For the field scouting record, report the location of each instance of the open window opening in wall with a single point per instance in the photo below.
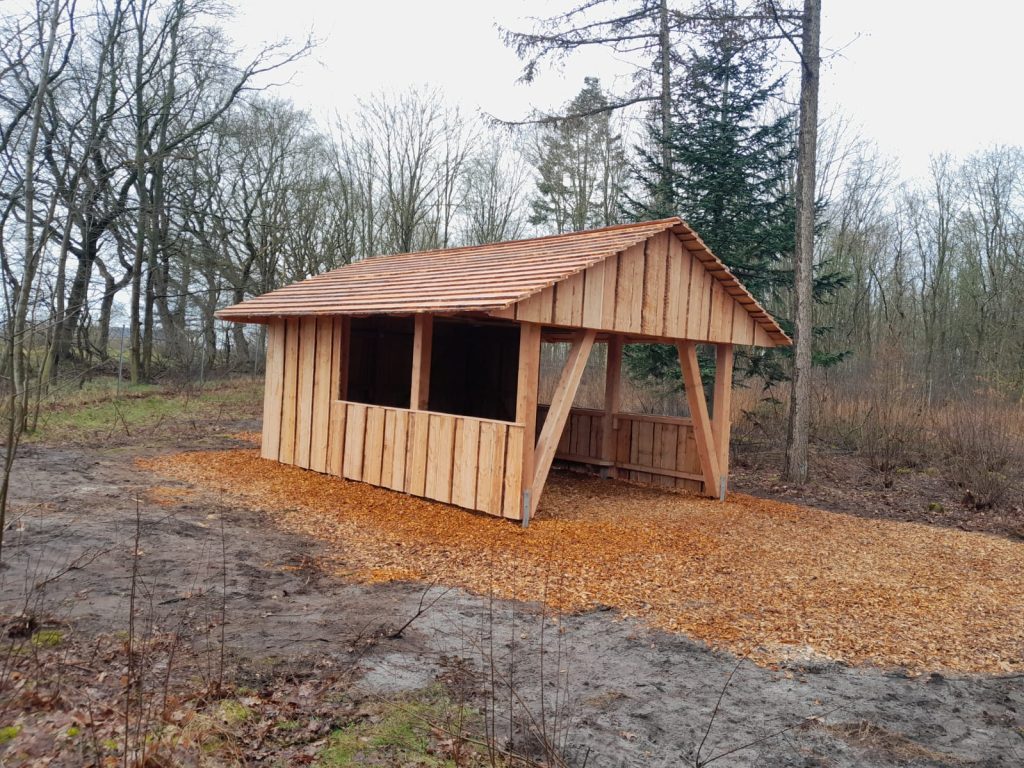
(473, 368)
(658, 393)
(380, 367)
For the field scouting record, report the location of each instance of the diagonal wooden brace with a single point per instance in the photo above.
(558, 412)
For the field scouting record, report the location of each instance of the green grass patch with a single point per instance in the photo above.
(233, 712)
(98, 408)
(8, 733)
(395, 732)
(47, 638)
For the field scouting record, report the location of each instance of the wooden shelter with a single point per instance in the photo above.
(419, 372)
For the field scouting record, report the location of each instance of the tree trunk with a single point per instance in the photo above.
(803, 258)
(665, 42)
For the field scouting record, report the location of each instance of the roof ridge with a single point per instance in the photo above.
(675, 221)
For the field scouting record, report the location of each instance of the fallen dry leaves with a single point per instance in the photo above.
(166, 496)
(770, 580)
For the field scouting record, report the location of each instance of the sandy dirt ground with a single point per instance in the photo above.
(612, 691)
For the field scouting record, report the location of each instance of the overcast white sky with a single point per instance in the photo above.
(918, 77)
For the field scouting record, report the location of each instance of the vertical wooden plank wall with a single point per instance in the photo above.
(468, 462)
(302, 379)
(657, 288)
(655, 450)
(456, 459)
(273, 391)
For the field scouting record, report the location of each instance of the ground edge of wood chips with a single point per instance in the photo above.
(771, 581)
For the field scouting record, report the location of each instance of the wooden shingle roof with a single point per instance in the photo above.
(480, 278)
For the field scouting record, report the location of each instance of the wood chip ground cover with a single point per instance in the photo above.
(765, 579)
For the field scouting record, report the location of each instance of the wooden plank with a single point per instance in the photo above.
(442, 444)
(703, 436)
(694, 306)
(536, 308)
(593, 295)
(417, 451)
(717, 327)
(528, 310)
(654, 418)
(687, 270)
(290, 390)
(467, 460)
(663, 472)
(722, 423)
(304, 391)
(558, 412)
(578, 284)
(355, 440)
(645, 447)
(322, 376)
(742, 329)
(336, 438)
(666, 441)
(623, 441)
(674, 297)
(400, 449)
(728, 316)
(387, 462)
(612, 399)
(578, 433)
(565, 439)
(342, 333)
(678, 280)
(704, 327)
(611, 277)
(761, 338)
(691, 460)
(273, 391)
(512, 492)
(583, 459)
(596, 437)
(568, 301)
(652, 317)
(629, 291)
(634, 441)
(374, 450)
(422, 344)
(527, 381)
(490, 467)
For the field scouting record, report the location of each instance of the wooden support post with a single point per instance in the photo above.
(707, 450)
(558, 412)
(722, 410)
(423, 335)
(342, 347)
(526, 398)
(612, 402)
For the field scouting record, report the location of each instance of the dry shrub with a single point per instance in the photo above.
(983, 448)
(878, 413)
(759, 419)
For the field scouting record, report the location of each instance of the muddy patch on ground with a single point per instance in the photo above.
(605, 691)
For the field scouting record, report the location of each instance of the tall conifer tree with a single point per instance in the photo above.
(733, 152)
